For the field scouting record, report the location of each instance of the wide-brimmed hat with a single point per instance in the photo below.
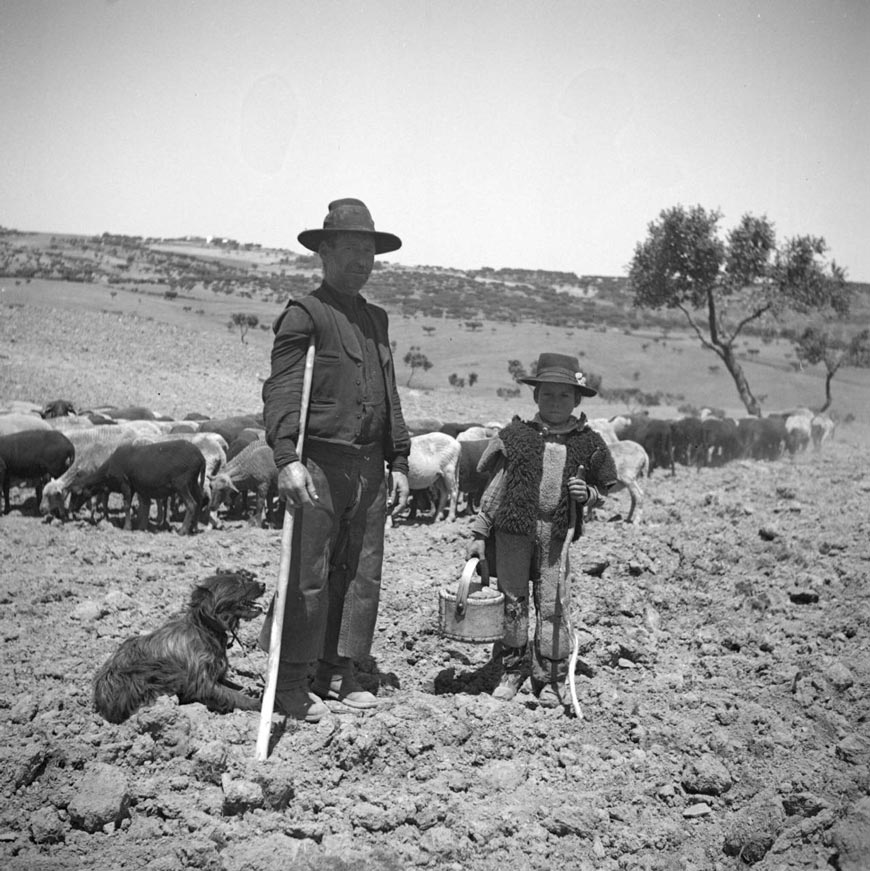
(559, 369)
(349, 215)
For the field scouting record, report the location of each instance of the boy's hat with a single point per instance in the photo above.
(353, 216)
(560, 369)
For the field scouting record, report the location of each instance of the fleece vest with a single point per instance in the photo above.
(524, 458)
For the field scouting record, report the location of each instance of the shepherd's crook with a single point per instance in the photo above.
(283, 578)
(564, 569)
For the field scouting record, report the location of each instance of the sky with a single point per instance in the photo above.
(500, 133)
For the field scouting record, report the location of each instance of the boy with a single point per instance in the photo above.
(534, 466)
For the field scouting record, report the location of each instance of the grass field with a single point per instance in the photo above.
(676, 365)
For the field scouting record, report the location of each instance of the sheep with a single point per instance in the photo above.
(798, 432)
(472, 483)
(476, 433)
(214, 450)
(33, 456)
(821, 429)
(253, 469)
(21, 422)
(93, 446)
(231, 427)
(605, 429)
(151, 471)
(632, 462)
(434, 460)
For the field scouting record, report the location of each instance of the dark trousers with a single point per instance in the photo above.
(337, 557)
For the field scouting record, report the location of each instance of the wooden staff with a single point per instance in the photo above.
(280, 601)
(564, 569)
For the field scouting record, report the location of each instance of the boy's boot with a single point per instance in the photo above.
(515, 648)
(514, 661)
(548, 681)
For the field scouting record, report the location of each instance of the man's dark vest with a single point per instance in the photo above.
(335, 409)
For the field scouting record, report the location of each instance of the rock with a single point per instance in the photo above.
(502, 775)
(119, 601)
(839, 676)
(210, 761)
(46, 827)
(701, 809)
(851, 838)
(240, 796)
(88, 612)
(767, 533)
(804, 804)
(754, 829)
(706, 776)
(102, 798)
(24, 710)
(369, 816)
(30, 765)
(266, 852)
(854, 749)
(440, 841)
(803, 596)
(276, 780)
(583, 820)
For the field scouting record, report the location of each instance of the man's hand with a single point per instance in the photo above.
(400, 492)
(578, 490)
(295, 485)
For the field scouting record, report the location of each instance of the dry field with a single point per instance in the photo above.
(724, 671)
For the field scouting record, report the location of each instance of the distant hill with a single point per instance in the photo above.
(177, 303)
(247, 270)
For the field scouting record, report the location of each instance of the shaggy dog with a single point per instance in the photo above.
(186, 657)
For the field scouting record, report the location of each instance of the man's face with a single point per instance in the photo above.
(556, 402)
(348, 261)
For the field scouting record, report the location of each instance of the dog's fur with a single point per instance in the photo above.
(186, 657)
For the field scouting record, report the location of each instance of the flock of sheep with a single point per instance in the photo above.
(206, 464)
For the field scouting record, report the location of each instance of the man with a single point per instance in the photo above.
(355, 424)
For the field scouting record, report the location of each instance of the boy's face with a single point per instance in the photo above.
(556, 402)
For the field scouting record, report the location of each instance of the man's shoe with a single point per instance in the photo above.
(508, 686)
(297, 703)
(344, 688)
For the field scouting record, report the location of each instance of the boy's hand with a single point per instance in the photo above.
(476, 548)
(578, 490)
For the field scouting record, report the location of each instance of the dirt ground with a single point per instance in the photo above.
(724, 679)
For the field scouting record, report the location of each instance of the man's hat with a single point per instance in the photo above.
(349, 215)
(560, 369)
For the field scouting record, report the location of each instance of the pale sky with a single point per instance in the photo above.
(482, 132)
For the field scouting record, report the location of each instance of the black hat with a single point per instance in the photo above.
(560, 369)
(349, 215)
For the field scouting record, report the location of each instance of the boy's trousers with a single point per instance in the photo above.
(523, 560)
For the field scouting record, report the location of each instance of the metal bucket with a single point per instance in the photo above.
(475, 612)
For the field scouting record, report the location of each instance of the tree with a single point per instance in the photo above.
(455, 381)
(722, 287)
(472, 379)
(244, 322)
(416, 359)
(516, 369)
(816, 345)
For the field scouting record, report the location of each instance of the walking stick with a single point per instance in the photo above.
(268, 705)
(564, 569)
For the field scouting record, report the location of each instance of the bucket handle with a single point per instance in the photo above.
(465, 583)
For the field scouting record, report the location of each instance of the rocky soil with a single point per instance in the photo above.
(723, 679)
